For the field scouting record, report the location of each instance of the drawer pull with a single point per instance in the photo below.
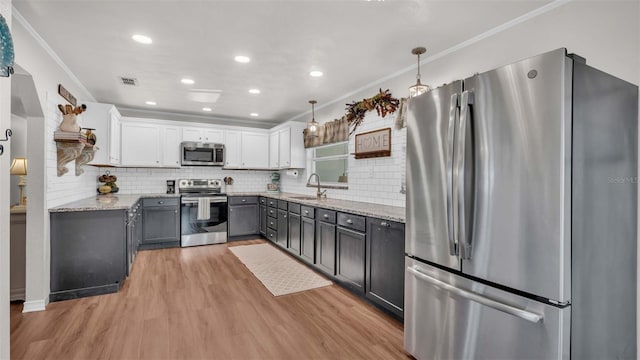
(326, 216)
(244, 200)
(160, 202)
(284, 216)
(306, 212)
(349, 221)
(385, 224)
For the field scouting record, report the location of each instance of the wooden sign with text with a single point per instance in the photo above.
(67, 95)
(375, 143)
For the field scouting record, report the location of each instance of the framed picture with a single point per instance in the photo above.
(376, 143)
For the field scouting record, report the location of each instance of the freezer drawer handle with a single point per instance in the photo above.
(522, 314)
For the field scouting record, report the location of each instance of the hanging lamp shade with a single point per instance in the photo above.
(418, 88)
(312, 126)
(6, 49)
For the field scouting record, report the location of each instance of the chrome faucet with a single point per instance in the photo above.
(319, 193)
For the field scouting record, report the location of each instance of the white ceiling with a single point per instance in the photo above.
(353, 42)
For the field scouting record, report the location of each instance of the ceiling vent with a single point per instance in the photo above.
(129, 81)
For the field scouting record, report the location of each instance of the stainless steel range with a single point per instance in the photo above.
(203, 211)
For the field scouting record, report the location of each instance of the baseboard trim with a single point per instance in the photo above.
(17, 294)
(33, 305)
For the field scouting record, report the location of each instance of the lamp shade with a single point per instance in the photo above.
(19, 166)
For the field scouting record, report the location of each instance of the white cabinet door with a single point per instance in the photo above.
(140, 144)
(233, 149)
(114, 137)
(192, 134)
(213, 136)
(285, 148)
(274, 162)
(255, 150)
(297, 153)
(170, 146)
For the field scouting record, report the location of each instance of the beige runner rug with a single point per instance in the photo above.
(278, 272)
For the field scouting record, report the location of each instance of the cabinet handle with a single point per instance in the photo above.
(244, 200)
(385, 224)
(160, 202)
(326, 216)
(175, 211)
(349, 221)
(284, 216)
(306, 212)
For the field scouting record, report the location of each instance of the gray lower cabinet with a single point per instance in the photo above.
(307, 234)
(350, 251)
(326, 241)
(283, 228)
(88, 253)
(160, 223)
(263, 220)
(294, 233)
(243, 217)
(385, 264)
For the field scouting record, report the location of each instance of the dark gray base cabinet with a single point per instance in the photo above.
(294, 233)
(385, 264)
(160, 223)
(263, 220)
(88, 253)
(307, 239)
(244, 214)
(326, 241)
(350, 258)
(283, 228)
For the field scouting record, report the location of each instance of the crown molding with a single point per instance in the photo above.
(197, 118)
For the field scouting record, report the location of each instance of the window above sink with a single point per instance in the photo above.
(331, 163)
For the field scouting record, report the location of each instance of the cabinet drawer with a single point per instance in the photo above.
(351, 221)
(161, 201)
(242, 200)
(282, 204)
(326, 215)
(307, 211)
(294, 208)
(272, 235)
(272, 212)
(263, 201)
(272, 202)
(272, 223)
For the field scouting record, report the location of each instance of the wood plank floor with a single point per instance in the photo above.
(203, 303)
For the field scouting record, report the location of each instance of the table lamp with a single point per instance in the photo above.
(19, 167)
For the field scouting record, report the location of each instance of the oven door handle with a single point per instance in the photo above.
(195, 201)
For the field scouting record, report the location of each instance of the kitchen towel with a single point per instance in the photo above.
(204, 212)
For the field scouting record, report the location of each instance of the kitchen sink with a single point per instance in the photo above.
(303, 197)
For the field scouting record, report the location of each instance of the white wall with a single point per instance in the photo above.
(18, 149)
(5, 163)
(45, 189)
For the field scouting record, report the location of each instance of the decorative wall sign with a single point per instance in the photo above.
(376, 143)
(67, 95)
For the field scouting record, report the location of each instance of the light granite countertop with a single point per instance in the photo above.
(126, 201)
(106, 202)
(393, 213)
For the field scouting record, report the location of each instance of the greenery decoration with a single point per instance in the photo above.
(382, 102)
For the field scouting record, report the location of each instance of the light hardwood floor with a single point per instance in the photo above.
(203, 303)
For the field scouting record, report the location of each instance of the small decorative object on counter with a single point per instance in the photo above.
(274, 186)
(228, 180)
(110, 182)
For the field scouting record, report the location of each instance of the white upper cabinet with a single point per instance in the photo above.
(274, 160)
(140, 144)
(255, 150)
(105, 120)
(170, 144)
(289, 148)
(203, 135)
(233, 149)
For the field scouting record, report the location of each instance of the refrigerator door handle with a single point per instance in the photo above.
(451, 205)
(463, 238)
(508, 309)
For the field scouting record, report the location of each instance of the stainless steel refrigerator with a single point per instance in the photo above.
(522, 214)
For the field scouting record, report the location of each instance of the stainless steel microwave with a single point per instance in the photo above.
(201, 154)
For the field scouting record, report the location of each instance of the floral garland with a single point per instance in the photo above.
(382, 102)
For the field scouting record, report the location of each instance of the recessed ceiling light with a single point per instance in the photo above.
(150, 102)
(254, 91)
(254, 114)
(187, 81)
(142, 39)
(242, 59)
(206, 109)
(316, 73)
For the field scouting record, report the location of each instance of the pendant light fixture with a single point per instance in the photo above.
(312, 126)
(418, 88)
